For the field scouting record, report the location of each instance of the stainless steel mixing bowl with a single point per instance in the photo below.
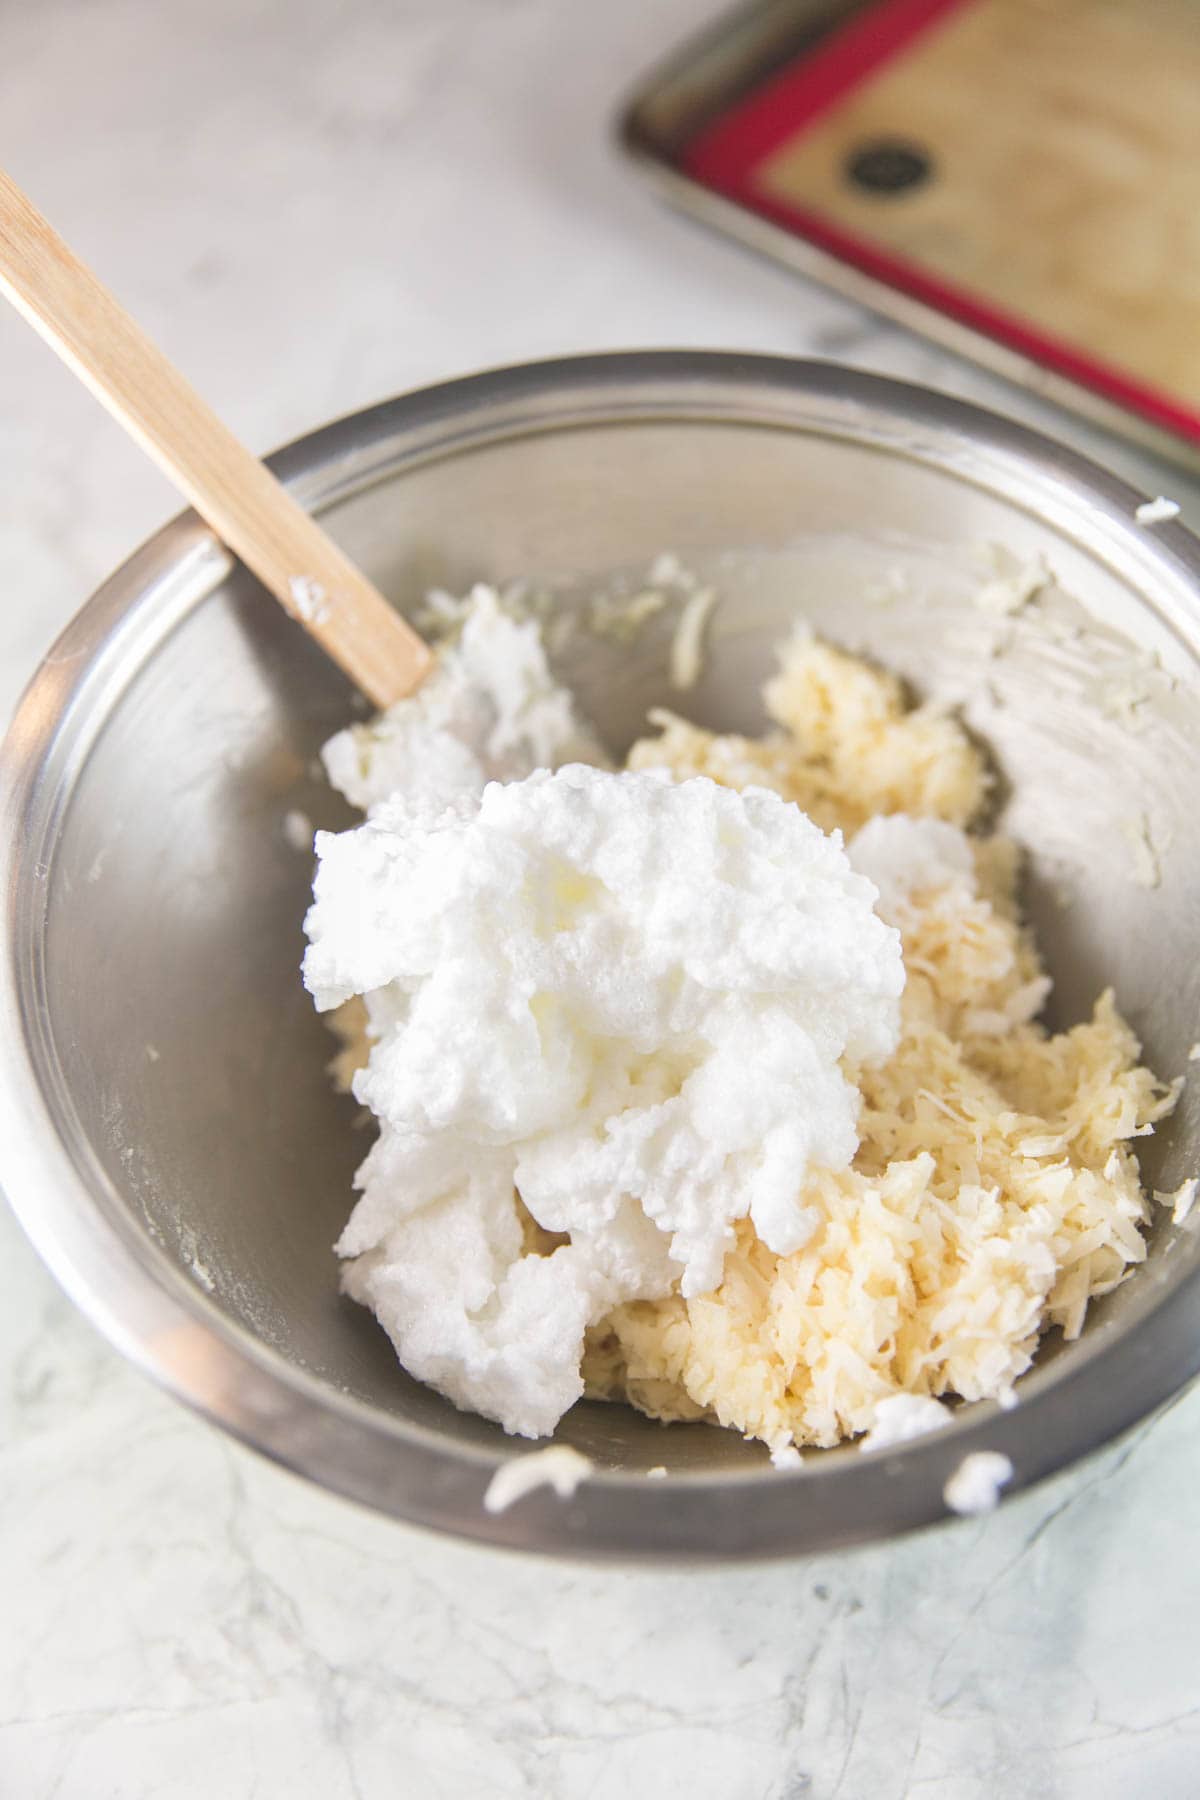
(170, 1139)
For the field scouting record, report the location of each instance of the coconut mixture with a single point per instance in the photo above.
(715, 1085)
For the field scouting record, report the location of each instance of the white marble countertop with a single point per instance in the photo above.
(313, 207)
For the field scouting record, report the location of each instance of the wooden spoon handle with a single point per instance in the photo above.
(230, 489)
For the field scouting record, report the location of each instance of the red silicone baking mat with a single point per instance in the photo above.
(1027, 168)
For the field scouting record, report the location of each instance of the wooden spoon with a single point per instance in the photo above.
(231, 489)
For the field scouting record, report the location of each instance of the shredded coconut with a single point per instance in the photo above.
(786, 1456)
(621, 616)
(1124, 700)
(1014, 585)
(975, 1485)
(1156, 511)
(894, 586)
(668, 571)
(203, 1274)
(298, 830)
(442, 612)
(1145, 868)
(1181, 1201)
(846, 747)
(687, 646)
(558, 1467)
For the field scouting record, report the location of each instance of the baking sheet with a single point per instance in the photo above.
(1052, 229)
